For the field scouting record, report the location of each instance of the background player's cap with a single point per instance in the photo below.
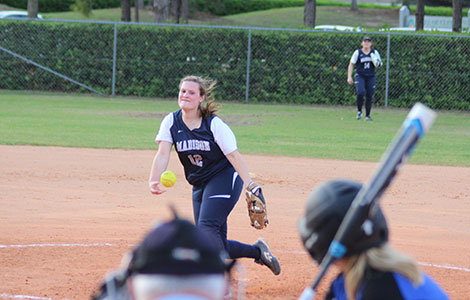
(177, 247)
(366, 38)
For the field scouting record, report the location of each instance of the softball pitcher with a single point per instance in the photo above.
(366, 60)
(207, 149)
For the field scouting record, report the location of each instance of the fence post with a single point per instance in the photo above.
(114, 59)
(387, 71)
(248, 66)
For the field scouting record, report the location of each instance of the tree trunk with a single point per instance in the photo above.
(161, 9)
(175, 10)
(184, 11)
(137, 7)
(33, 7)
(457, 15)
(354, 5)
(309, 12)
(126, 10)
(419, 15)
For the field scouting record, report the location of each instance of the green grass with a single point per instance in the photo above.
(109, 14)
(309, 131)
(371, 16)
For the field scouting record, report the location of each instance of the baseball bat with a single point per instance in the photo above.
(416, 124)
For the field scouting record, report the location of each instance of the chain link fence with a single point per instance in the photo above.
(250, 64)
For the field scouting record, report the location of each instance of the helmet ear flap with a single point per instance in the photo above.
(318, 240)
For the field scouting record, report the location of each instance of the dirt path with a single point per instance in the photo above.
(68, 215)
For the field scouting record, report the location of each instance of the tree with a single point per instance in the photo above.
(136, 18)
(354, 5)
(175, 10)
(126, 10)
(457, 15)
(139, 4)
(161, 10)
(180, 10)
(309, 12)
(33, 8)
(419, 15)
(83, 7)
(184, 11)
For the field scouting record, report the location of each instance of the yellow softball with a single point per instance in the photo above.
(168, 178)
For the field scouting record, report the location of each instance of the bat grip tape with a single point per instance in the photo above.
(416, 124)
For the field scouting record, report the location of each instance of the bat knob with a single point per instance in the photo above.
(307, 294)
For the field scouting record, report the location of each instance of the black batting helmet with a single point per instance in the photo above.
(178, 248)
(326, 208)
(172, 248)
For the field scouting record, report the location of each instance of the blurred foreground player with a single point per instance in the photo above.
(370, 269)
(175, 261)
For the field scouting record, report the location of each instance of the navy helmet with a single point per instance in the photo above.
(177, 247)
(326, 208)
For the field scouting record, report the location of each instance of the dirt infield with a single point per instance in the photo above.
(68, 215)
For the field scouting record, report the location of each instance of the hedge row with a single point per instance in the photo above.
(61, 5)
(285, 67)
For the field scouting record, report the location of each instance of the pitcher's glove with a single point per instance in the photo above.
(256, 206)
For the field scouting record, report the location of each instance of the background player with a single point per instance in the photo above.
(366, 60)
(371, 269)
(207, 149)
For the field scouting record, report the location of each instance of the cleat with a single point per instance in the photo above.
(359, 115)
(368, 118)
(267, 258)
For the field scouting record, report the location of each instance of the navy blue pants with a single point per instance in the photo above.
(365, 86)
(212, 203)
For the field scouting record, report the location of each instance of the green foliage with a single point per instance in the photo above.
(240, 6)
(44, 5)
(437, 11)
(286, 67)
(83, 7)
(465, 3)
(63, 5)
(232, 7)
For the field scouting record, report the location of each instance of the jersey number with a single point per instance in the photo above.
(195, 159)
(367, 65)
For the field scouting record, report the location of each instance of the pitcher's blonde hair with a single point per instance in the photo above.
(206, 87)
(384, 258)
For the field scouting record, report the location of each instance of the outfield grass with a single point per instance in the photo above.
(309, 131)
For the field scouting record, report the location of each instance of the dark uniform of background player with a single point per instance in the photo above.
(365, 76)
(207, 149)
(371, 269)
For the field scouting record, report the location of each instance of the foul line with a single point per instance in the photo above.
(59, 245)
(448, 267)
(23, 297)
(295, 252)
(444, 267)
